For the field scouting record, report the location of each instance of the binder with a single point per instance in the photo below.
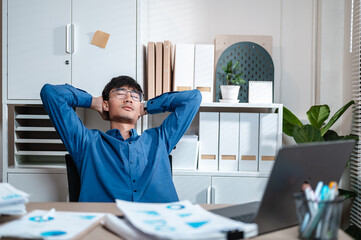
(150, 71)
(204, 71)
(228, 141)
(185, 154)
(248, 141)
(208, 141)
(167, 66)
(267, 141)
(183, 67)
(158, 68)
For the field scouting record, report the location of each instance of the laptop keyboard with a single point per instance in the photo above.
(247, 218)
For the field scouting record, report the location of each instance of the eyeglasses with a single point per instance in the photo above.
(122, 93)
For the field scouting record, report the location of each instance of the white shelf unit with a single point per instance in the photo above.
(223, 187)
(36, 143)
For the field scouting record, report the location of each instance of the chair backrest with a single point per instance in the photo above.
(73, 179)
(170, 163)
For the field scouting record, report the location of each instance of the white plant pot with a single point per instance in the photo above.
(229, 92)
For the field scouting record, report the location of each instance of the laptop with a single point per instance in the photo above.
(294, 165)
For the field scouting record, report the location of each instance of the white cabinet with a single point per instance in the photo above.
(50, 42)
(238, 190)
(93, 67)
(220, 188)
(42, 187)
(193, 188)
(36, 46)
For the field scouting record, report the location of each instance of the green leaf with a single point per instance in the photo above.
(289, 122)
(307, 133)
(318, 114)
(351, 136)
(335, 117)
(331, 135)
(346, 193)
(229, 66)
(234, 67)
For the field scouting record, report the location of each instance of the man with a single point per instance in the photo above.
(120, 164)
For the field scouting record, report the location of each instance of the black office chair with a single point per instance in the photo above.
(73, 179)
(170, 163)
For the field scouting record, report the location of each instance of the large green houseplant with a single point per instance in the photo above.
(319, 131)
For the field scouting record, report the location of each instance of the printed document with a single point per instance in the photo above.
(177, 220)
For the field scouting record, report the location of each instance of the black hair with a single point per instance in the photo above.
(121, 81)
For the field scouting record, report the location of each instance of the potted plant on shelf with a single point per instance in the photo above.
(233, 76)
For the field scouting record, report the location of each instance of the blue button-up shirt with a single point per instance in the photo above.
(136, 169)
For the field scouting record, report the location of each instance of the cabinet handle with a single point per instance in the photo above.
(70, 38)
(209, 194)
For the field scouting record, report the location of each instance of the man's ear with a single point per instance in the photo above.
(105, 106)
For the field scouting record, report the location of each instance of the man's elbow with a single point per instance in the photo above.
(46, 91)
(197, 96)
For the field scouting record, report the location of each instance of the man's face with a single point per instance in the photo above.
(123, 105)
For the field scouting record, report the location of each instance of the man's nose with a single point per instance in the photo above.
(128, 98)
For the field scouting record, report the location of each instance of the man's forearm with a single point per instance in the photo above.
(97, 104)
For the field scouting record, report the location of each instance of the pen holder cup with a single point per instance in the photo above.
(318, 219)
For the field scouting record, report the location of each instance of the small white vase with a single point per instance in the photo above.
(230, 92)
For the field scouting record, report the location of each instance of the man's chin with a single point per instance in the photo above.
(125, 118)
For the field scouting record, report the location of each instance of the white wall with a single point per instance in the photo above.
(289, 22)
(335, 59)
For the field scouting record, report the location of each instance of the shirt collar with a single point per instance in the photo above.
(116, 133)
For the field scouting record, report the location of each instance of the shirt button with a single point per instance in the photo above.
(131, 162)
(133, 180)
(130, 142)
(135, 190)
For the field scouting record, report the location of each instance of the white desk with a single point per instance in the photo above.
(99, 232)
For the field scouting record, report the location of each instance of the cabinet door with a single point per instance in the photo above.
(41, 187)
(92, 66)
(237, 190)
(36, 46)
(193, 188)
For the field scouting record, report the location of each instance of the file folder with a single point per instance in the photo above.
(248, 141)
(158, 68)
(228, 141)
(267, 141)
(150, 71)
(167, 66)
(204, 70)
(184, 67)
(208, 141)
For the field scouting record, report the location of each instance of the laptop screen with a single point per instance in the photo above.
(294, 166)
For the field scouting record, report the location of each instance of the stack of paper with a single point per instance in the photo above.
(12, 200)
(178, 220)
(40, 224)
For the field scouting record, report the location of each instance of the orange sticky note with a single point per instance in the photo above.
(100, 39)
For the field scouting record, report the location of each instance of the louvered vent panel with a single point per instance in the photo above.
(36, 143)
(355, 168)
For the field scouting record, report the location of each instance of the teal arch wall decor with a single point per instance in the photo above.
(256, 64)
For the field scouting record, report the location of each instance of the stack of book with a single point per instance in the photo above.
(179, 68)
(159, 68)
(12, 200)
